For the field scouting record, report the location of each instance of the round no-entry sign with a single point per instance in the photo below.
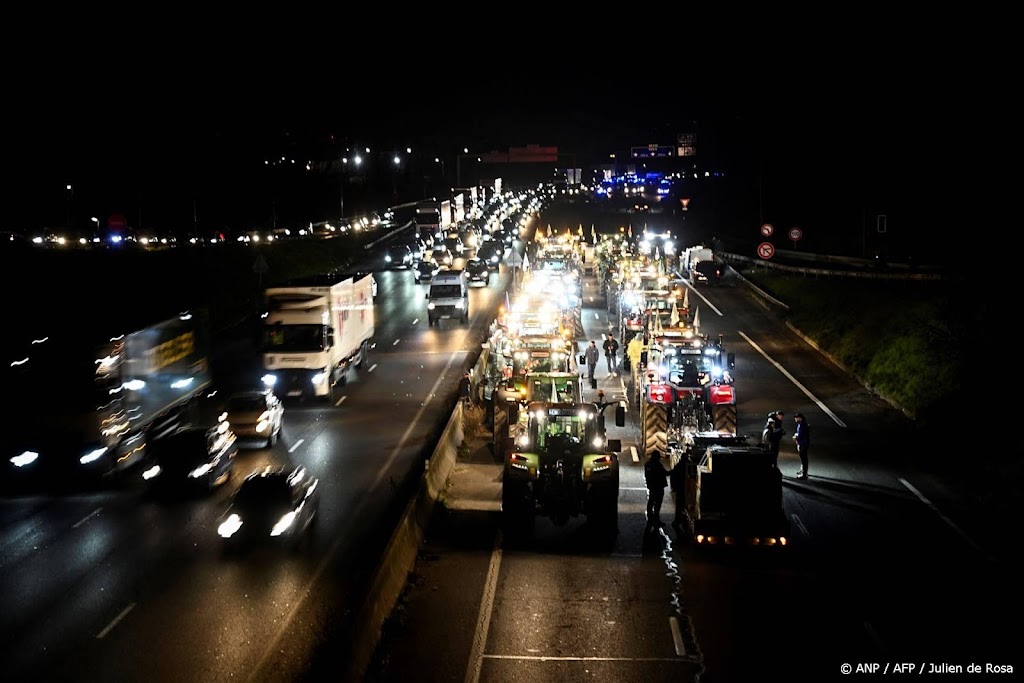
(765, 250)
(767, 229)
(795, 234)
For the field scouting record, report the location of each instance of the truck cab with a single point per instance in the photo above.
(448, 297)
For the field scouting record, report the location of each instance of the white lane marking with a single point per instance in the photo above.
(944, 518)
(636, 456)
(596, 316)
(372, 368)
(794, 380)
(633, 488)
(394, 343)
(697, 292)
(415, 320)
(483, 620)
(298, 443)
(677, 637)
(874, 638)
(86, 518)
(109, 627)
(341, 400)
(800, 526)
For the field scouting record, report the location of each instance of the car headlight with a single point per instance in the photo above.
(200, 471)
(25, 458)
(283, 524)
(229, 526)
(430, 306)
(152, 472)
(387, 259)
(92, 456)
(459, 304)
(319, 378)
(269, 380)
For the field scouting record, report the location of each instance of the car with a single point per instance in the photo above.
(398, 256)
(255, 416)
(477, 270)
(272, 506)
(489, 254)
(455, 244)
(421, 249)
(441, 256)
(191, 459)
(423, 271)
(706, 272)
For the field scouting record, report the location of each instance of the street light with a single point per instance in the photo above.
(97, 222)
(458, 165)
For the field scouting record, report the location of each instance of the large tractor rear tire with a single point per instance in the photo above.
(518, 510)
(724, 417)
(603, 509)
(654, 421)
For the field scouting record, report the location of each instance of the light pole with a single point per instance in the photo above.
(458, 165)
(70, 196)
(97, 222)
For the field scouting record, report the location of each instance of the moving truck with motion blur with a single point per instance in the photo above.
(315, 330)
(81, 413)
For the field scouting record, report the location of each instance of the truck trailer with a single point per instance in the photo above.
(732, 491)
(315, 330)
(81, 414)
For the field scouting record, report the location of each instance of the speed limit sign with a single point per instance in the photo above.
(765, 250)
(795, 234)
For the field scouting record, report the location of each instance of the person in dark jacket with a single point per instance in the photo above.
(611, 353)
(591, 355)
(656, 479)
(802, 439)
(773, 433)
(464, 388)
(677, 482)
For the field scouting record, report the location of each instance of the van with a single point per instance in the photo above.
(705, 272)
(448, 297)
(695, 254)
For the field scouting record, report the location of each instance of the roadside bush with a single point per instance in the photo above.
(897, 337)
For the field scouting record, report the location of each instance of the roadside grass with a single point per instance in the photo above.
(902, 339)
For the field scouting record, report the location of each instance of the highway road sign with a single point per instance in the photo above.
(767, 229)
(795, 234)
(765, 250)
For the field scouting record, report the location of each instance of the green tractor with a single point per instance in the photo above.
(560, 464)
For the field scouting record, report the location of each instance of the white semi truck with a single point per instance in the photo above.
(315, 330)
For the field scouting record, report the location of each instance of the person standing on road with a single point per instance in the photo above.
(591, 354)
(611, 353)
(677, 481)
(802, 439)
(656, 479)
(772, 435)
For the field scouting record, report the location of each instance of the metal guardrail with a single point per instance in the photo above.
(832, 272)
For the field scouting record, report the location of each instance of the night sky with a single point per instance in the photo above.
(158, 131)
